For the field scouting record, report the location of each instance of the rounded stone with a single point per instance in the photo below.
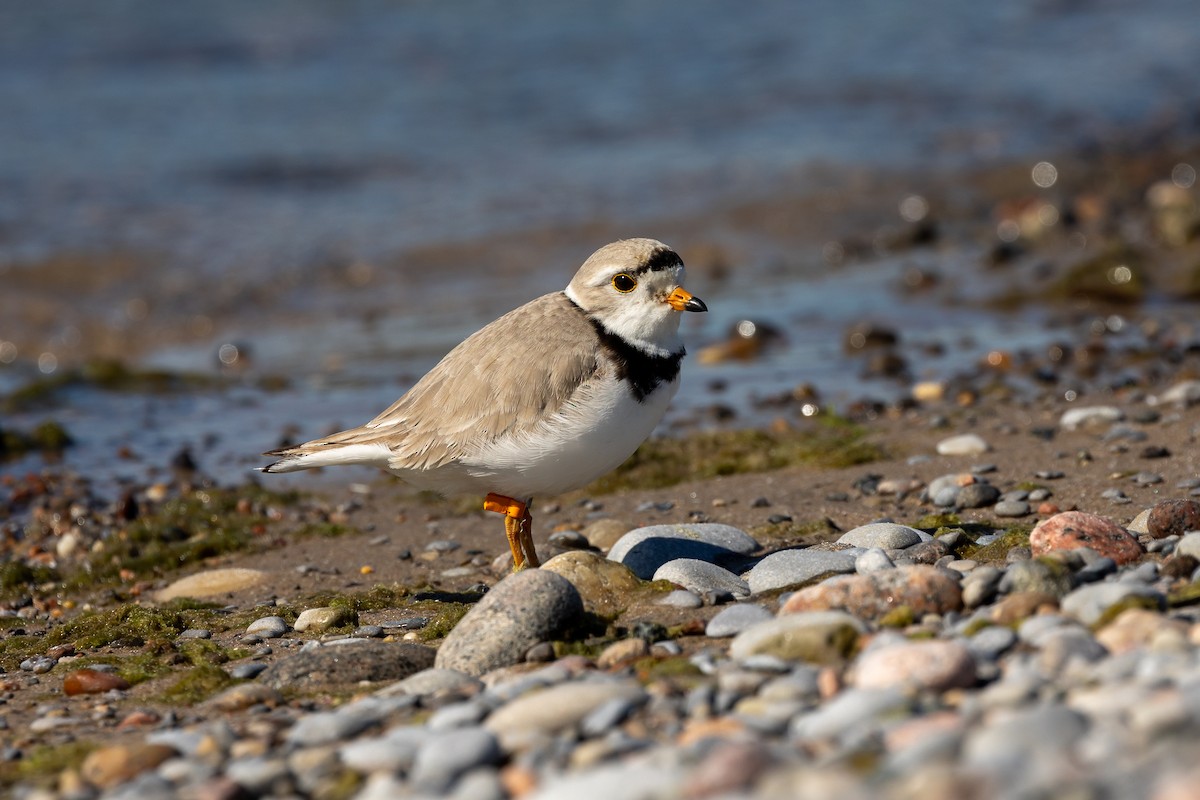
(821, 637)
(443, 758)
(605, 587)
(1090, 415)
(644, 550)
(1071, 530)
(90, 681)
(964, 444)
(977, 495)
(349, 663)
(556, 708)
(522, 610)
(317, 620)
(244, 695)
(111, 766)
(604, 533)
(701, 577)
(884, 535)
(787, 568)
(212, 583)
(268, 627)
(434, 681)
(921, 588)
(732, 620)
(933, 665)
(1090, 603)
(872, 560)
(1173, 518)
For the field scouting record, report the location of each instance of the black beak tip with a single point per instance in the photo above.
(695, 304)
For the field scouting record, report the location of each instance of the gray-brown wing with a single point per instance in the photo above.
(502, 379)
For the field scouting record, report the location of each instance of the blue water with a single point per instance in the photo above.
(233, 136)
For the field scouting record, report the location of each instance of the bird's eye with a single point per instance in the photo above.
(624, 283)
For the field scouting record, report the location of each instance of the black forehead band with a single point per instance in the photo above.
(662, 258)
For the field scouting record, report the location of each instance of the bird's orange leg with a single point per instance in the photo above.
(518, 526)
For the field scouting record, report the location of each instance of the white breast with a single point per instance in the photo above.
(584, 440)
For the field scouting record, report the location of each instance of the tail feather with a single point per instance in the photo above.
(327, 454)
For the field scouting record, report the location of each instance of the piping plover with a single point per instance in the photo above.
(544, 400)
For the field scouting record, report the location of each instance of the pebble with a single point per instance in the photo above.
(1173, 518)
(681, 598)
(441, 760)
(644, 550)
(606, 587)
(268, 627)
(212, 583)
(554, 709)
(348, 661)
(884, 535)
(702, 577)
(977, 495)
(90, 681)
(966, 444)
(1012, 508)
(1089, 415)
(1074, 529)
(787, 568)
(1089, 603)
(922, 589)
(872, 560)
(930, 665)
(732, 620)
(110, 766)
(522, 610)
(822, 637)
(318, 620)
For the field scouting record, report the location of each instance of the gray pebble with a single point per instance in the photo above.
(991, 642)
(257, 775)
(850, 710)
(978, 495)
(268, 627)
(1088, 603)
(794, 567)
(369, 631)
(607, 716)
(245, 672)
(442, 546)
(392, 752)
(1012, 508)
(325, 727)
(458, 715)
(1035, 576)
(196, 633)
(644, 550)
(681, 598)
(872, 560)
(884, 535)
(519, 612)
(701, 577)
(736, 618)
(981, 585)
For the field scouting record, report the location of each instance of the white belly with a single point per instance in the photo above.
(567, 451)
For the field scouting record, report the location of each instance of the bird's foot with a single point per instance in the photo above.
(518, 526)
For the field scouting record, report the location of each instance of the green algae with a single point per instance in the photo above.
(997, 550)
(181, 532)
(803, 532)
(197, 684)
(826, 441)
(898, 617)
(41, 765)
(1123, 605)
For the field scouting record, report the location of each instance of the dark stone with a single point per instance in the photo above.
(347, 664)
(1173, 518)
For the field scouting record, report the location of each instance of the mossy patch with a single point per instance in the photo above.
(47, 437)
(997, 550)
(789, 532)
(1123, 605)
(1114, 276)
(898, 617)
(180, 532)
(931, 522)
(197, 684)
(825, 441)
(674, 668)
(975, 626)
(42, 765)
(1185, 596)
(17, 577)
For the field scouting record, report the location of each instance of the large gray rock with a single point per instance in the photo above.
(521, 611)
(701, 577)
(350, 663)
(644, 550)
(885, 535)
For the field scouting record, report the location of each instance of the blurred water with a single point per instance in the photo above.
(244, 139)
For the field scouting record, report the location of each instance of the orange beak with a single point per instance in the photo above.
(683, 300)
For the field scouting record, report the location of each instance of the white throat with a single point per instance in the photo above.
(653, 328)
